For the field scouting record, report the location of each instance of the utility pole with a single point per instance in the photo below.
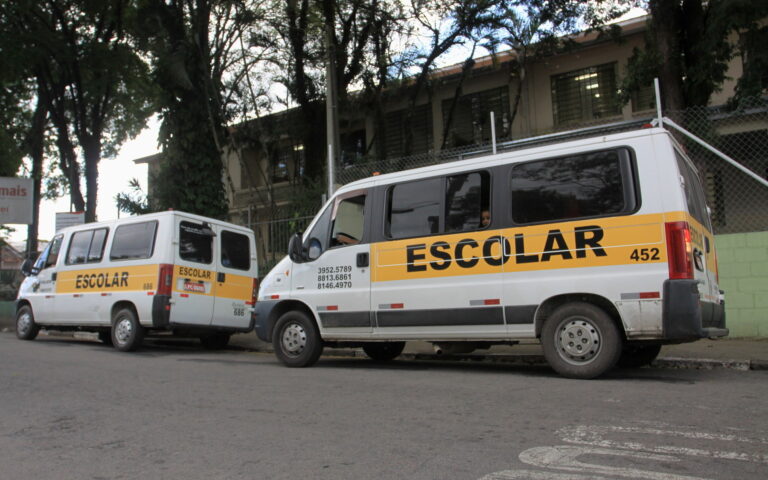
(331, 97)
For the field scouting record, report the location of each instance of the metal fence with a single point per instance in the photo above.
(738, 202)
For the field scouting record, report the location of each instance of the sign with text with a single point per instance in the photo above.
(69, 219)
(16, 200)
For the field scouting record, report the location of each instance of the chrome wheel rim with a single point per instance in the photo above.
(578, 340)
(123, 331)
(294, 339)
(24, 323)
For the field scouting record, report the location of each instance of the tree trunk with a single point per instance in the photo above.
(92, 154)
(35, 143)
(665, 15)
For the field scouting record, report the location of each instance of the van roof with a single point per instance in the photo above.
(511, 155)
(152, 216)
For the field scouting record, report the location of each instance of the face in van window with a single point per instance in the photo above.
(195, 243)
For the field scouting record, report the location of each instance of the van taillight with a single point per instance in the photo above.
(254, 292)
(679, 250)
(165, 279)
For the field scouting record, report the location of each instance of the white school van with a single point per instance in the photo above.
(164, 272)
(601, 248)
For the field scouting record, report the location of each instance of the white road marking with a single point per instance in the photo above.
(564, 457)
(534, 475)
(594, 435)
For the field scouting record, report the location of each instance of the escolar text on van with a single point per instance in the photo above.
(169, 272)
(601, 248)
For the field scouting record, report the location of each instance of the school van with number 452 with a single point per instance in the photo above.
(169, 272)
(600, 248)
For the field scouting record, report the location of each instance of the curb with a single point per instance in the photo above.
(538, 360)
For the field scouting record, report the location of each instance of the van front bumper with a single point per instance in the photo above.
(263, 319)
(685, 317)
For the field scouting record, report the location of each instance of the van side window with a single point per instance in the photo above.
(53, 256)
(467, 196)
(348, 221)
(86, 246)
(588, 185)
(414, 208)
(194, 244)
(134, 241)
(694, 192)
(235, 250)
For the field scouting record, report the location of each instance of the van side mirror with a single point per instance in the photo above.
(27, 268)
(296, 249)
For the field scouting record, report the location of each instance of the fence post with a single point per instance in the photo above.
(493, 132)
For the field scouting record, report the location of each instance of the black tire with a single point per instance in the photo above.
(296, 340)
(383, 351)
(217, 341)
(580, 340)
(636, 356)
(127, 332)
(26, 328)
(105, 337)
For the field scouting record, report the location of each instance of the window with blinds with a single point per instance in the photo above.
(586, 94)
(470, 122)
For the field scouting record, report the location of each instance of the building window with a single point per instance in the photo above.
(468, 120)
(644, 99)
(585, 95)
(419, 129)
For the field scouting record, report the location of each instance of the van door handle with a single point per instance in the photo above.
(221, 277)
(362, 259)
(698, 259)
(53, 277)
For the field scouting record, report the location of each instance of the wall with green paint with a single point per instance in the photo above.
(743, 263)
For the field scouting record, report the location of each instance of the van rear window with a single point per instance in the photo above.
(134, 241)
(195, 244)
(235, 250)
(579, 186)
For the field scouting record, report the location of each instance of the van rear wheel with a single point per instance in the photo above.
(383, 351)
(296, 340)
(580, 340)
(26, 328)
(127, 332)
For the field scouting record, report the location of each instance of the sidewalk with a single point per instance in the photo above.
(737, 353)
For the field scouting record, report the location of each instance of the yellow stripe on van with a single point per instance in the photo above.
(237, 287)
(113, 279)
(586, 243)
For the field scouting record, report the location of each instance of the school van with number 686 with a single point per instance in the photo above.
(600, 248)
(169, 272)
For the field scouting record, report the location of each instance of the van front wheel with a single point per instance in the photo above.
(127, 332)
(580, 340)
(296, 340)
(26, 328)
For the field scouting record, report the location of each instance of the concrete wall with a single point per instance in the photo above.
(743, 262)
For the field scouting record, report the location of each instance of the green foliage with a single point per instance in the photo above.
(135, 201)
(695, 39)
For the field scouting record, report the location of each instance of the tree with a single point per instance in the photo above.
(94, 85)
(689, 44)
(194, 47)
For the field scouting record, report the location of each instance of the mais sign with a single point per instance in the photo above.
(15, 200)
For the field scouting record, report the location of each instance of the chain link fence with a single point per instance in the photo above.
(738, 202)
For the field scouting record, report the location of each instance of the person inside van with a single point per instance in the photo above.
(485, 218)
(344, 239)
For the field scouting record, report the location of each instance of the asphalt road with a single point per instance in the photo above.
(74, 409)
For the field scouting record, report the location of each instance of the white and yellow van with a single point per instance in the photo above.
(170, 271)
(601, 248)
